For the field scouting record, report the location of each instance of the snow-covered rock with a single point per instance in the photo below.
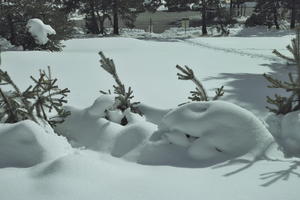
(215, 130)
(286, 131)
(25, 144)
(39, 31)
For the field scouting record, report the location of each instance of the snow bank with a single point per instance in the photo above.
(39, 31)
(199, 134)
(25, 144)
(215, 131)
(286, 131)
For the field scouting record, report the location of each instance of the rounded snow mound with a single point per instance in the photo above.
(285, 130)
(215, 131)
(25, 144)
(98, 128)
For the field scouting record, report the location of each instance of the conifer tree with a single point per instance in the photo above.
(35, 103)
(123, 96)
(294, 7)
(152, 5)
(14, 15)
(267, 12)
(199, 94)
(122, 9)
(285, 105)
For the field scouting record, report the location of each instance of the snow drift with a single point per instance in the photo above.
(202, 132)
(25, 144)
(286, 131)
(214, 131)
(89, 128)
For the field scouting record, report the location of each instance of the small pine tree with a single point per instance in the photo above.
(123, 97)
(285, 105)
(199, 94)
(35, 102)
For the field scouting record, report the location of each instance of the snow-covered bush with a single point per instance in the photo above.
(98, 128)
(39, 31)
(35, 102)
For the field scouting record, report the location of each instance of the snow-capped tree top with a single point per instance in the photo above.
(39, 31)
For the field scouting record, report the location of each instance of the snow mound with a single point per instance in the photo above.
(39, 31)
(215, 131)
(285, 130)
(25, 144)
(195, 134)
(90, 128)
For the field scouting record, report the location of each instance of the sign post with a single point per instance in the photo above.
(185, 23)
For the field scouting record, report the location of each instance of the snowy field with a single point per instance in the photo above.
(148, 66)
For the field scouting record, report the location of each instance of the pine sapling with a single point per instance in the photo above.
(35, 103)
(285, 105)
(123, 97)
(199, 94)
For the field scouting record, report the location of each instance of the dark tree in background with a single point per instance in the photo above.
(206, 6)
(294, 7)
(14, 15)
(97, 12)
(152, 5)
(125, 10)
(270, 12)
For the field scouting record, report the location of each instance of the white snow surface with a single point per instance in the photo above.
(286, 131)
(26, 144)
(220, 131)
(39, 30)
(168, 172)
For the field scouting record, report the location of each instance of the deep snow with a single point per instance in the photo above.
(149, 67)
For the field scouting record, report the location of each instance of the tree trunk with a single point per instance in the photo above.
(95, 26)
(204, 28)
(238, 8)
(13, 33)
(116, 16)
(231, 10)
(293, 14)
(275, 13)
(101, 23)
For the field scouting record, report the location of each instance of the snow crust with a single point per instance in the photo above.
(39, 30)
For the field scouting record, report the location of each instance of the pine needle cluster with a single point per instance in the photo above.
(284, 105)
(35, 103)
(199, 94)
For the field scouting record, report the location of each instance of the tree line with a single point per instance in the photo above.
(14, 15)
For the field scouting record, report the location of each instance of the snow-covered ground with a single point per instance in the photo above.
(149, 67)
